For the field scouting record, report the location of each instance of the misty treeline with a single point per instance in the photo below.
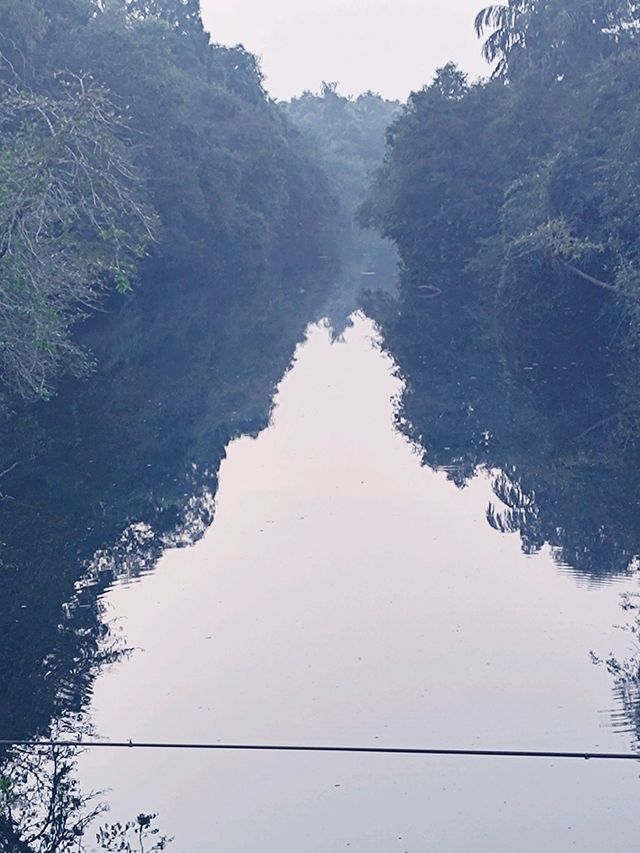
(515, 203)
(348, 135)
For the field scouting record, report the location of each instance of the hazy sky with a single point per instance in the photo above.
(390, 46)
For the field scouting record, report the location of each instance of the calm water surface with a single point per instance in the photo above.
(345, 594)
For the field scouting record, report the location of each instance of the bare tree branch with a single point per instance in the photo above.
(73, 220)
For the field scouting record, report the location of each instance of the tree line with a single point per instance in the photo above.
(135, 153)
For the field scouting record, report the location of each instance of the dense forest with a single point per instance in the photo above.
(135, 153)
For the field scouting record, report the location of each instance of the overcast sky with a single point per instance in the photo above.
(390, 46)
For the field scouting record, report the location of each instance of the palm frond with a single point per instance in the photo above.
(496, 45)
(491, 17)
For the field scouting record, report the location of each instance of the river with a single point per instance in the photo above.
(347, 594)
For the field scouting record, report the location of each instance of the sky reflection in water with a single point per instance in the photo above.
(345, 594)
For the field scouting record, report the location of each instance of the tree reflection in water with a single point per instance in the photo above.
(537, 409)
(102, 480)
(44, 810)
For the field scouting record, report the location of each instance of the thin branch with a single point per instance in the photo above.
(592, 280)
(615, 416)
(9, 469)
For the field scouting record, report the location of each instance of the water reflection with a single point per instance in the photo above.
(543, 415)
(111, 473)
(43, 809)
(345, 594)
(97, 485)
(542, 411)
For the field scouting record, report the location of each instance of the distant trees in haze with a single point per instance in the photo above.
(347, 137)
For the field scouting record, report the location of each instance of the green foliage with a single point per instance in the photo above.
(439, 190)
(518, 196)
(181, 15)
(41, 807)
(72, 216)
(187, 131)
